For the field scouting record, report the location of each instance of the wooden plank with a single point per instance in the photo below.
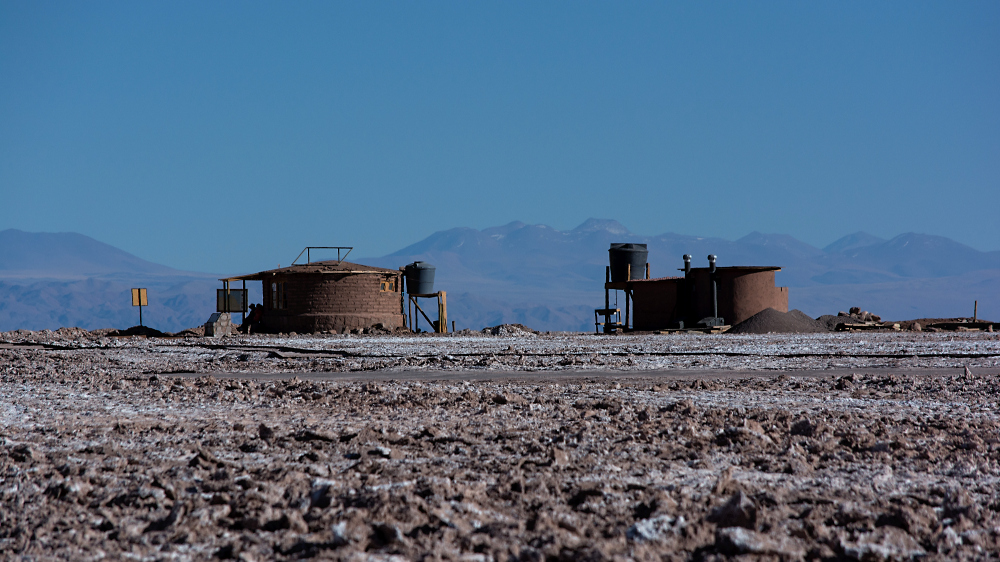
(607, 279)
(710, 330)
(443, 312)
(968, 325)
(845, 327)
(626, 307)
(429, 321)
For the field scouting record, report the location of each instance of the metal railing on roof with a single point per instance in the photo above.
(308, 249)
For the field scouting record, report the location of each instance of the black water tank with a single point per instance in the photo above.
(623, 255)
(419, 278)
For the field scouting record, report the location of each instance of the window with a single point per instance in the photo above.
(388, 285)
(279, 299)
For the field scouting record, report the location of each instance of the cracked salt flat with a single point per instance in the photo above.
(551, 353)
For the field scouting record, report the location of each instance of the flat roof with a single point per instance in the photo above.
(657, 279)
(321, 267)
(743, 267)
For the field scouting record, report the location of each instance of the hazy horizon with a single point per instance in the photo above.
(355, 254)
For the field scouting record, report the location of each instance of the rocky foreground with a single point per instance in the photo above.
(103, 456)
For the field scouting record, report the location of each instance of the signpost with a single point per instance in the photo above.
(139, 299)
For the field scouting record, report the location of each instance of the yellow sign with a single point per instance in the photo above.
(139, 297)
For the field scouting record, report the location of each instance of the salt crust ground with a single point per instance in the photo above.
(104, 456)
(527, 352)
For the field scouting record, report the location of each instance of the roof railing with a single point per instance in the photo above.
(308, 249)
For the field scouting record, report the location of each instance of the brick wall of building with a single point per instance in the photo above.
(319, 302)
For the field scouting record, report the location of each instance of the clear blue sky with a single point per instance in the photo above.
(225, 136)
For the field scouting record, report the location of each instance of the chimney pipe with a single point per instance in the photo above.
(687, 265)
(715, 295)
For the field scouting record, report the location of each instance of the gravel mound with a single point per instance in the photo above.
(140, 331)
(830, 321)
(796, 313)
(770, 320)
(510, 330)
(198, 332)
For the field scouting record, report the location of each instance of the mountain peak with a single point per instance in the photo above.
(928, 242)
(505, 229)
(780, 242)
(67, 255)
(597, 225)
(853, 241)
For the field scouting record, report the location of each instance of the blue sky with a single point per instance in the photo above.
(226, 136)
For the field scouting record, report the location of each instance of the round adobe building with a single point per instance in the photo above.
(329, 296)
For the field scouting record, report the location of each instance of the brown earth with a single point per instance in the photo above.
(104, 456)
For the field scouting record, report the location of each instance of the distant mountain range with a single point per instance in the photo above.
(532, 274)
(551, 279)
(50, 280)
(67, 255)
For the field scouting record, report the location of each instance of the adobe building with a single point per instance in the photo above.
(742, 291)
(683, 302)
(329, 295)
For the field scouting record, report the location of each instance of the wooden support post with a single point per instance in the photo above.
(442, 312)
(607, 279)
(647, 270)
(626, 309)
(628, 278)
(402, 305)
(607, 296)
(975, 311)
(432, 323)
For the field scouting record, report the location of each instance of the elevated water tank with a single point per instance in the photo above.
(419, 278)
(623, 255)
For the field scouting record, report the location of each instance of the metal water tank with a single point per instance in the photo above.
(623, 255)
(419, 278)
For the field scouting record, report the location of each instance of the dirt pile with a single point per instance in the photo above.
(509, 330)
(771, 321)
(141, 331)
(831, 321)
(62, 334)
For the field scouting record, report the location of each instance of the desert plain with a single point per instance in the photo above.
(504, 445)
